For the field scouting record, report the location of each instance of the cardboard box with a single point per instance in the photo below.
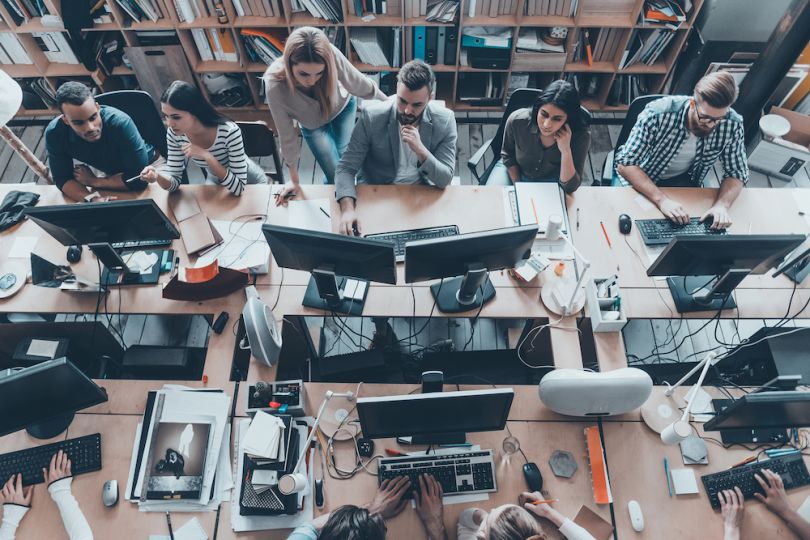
(779, 161)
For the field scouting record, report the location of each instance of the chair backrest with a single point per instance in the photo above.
(633, 111)
(141, 108)
(260, 141)
(520, 99)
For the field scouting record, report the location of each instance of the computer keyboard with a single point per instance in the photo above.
(400, 238)
(661, 231)
(84, 454)
(463, 472)
(791, 468)
(141, 244)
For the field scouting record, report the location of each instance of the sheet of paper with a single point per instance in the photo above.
(311, 214)
(141, 261)
(192, 530)
(22, 247)
(264, 435)
(537, 201)
(243, 247)
(41, 347)
(683, 481)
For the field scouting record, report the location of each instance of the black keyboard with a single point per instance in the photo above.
(134, 244)
(464, 472)
(400, 238)
(661, 231)
(84, 454)
(791, 468)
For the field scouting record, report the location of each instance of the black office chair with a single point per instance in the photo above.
(141, 108)
(520, 98)
(633, 111)
(259, 141)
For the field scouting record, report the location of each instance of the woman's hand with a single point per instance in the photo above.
(288, 191)
(12, 492)
(563, 138)
(194, 151)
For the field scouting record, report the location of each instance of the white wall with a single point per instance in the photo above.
(741, 20)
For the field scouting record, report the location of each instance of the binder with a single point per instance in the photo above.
(431, 44)
(419, 42)
(451, 46)
(441, 45)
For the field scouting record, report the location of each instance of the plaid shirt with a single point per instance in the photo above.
(660, 132)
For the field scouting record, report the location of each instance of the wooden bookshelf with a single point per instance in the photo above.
(591, 14)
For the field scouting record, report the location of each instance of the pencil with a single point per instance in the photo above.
(534, 209)
(169, 523)
(666, 472)
(545, 501)
(324, 212)
(604, 231)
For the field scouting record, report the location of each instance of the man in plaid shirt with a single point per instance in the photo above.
(677, 139)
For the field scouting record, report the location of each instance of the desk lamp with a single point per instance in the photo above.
(10, 101)
(657, 413)
(295, 482)
(548, 293)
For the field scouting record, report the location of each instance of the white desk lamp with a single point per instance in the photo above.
(658, 413)
(548, 293)
(295, 482)
(10, 101)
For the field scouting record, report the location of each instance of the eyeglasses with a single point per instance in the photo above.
(705, 118)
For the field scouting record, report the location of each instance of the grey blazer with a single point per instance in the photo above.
(373, 151)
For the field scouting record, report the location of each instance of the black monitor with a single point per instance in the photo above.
(711, 266)
(468, 259)
(764, 410)
(340, 265)
(43, 398)
(431, 417)
(104, 223)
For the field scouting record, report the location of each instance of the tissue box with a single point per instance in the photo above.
(779, 161)
(598, 306)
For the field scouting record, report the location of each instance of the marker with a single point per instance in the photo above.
(544, 501)
(743, 462)
(534, 209)
(666, 472)
(604, 231)
(394, 453)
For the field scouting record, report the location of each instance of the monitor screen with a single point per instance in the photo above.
(435, 413)
(113, 221)
(360, 258)
(44, 391)
(764, 410)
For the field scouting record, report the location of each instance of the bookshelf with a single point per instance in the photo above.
(620, 16)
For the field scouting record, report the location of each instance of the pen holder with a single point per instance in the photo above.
(607, 313)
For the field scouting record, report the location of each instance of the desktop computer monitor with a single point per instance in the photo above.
(431, 417)
(44, 397)
(710, 267)
(467, 259)
(332, 259)
(764, 410)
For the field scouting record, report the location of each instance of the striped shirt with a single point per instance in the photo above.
(228, 149)
(661, 130)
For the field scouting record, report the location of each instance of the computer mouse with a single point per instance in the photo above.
(636, 517)
(625, 224)
(109, 493)
(74, 254)
(533, 477)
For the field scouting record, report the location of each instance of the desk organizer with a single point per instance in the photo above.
(599, 307)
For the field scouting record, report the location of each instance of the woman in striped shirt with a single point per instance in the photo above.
(197, 132)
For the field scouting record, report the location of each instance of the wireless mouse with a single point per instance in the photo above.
(625, 224)
(533, 477)
(109, 493)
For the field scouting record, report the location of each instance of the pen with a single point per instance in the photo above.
(604, 231)
(394, 453)
(743, 462)
(544, 501)
(534, 209)
(169, 523)
(136, 177)
(458, 445)
(666, 472)
(324, 212)
(577, 218)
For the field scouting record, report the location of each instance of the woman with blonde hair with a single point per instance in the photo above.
(314, 84)
(516, 521)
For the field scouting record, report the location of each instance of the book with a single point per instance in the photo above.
(177, 460)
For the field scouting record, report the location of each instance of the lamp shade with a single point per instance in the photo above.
(10, 98)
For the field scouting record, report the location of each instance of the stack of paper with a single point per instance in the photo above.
(263, 437)
(243, 247)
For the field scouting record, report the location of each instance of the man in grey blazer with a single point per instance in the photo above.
(405, 140)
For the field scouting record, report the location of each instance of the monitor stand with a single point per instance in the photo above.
(50, 428)
(116, 271)
(705, 293)
(327, 291)
(747, 435)
(459, 294)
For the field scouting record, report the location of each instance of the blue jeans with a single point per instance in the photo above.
(499, 176)
(329, 141)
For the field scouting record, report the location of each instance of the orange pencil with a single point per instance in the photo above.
(534, 209)
(606, 234)
(545, 501)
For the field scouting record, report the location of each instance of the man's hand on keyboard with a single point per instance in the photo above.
(775, 497)
(59, 468)
(430, 507)
(673, 211)
(732, 507)
(13, 493)
(719, 217)
(390, 497)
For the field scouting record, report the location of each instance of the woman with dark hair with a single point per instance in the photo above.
(199, 133)
(315, 85)
(547, 143)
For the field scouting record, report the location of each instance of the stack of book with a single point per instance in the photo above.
(538, 49)
(435, 44)
(320, 9)
(24, 10)
(596, 45)
(139, 10)
(555, 8)
(443, 11)
(258, 8)
(377, 46)
(11, 50)
(56, 46)
(491, 8)
(190, 10)
(215, 44)
(666, 12)
(646, 47)
(337, 36)
(261, 46)
(377, 7)
(626, 88)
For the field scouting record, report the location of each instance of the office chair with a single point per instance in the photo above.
(259, 141)
(633, 111)
(520, 98)
(140, 107)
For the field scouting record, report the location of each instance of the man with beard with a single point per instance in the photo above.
(95, 136)
(405, 140)
(677, 139)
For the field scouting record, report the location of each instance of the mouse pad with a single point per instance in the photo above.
(593, 523)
